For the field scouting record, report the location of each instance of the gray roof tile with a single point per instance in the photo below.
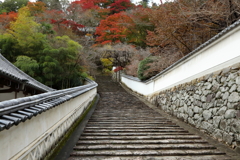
(8, 69)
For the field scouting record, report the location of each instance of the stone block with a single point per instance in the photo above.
(206, 77)
(196, 109)
(236, 126)
(203, 98)
(218, 134)
(226, 71)
(216, 121)
(223, 125)
(233, 88)
(234, 97)
(209, 105)
(185, 107)
(195, 96)
(238, 80)
(218, 95)
(207, 126)
(215, 111)
(216, 73)
(238, 88)
(224, 89)
(225, 95)
(227, 138)
(196, 116)
(231, 83)
(181, 110)
(237, 106)
(222, 111)
(223, 79)
(208, 85)
(238, 114)
(209, 98)
(207, 114)
(191, 121)
(230, 105)
(231, 113)
(235, 66)
(185, 117)
(190, 112)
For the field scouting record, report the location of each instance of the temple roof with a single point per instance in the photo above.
(7, 69)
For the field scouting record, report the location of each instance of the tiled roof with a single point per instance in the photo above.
(15, 111)
(11, 71)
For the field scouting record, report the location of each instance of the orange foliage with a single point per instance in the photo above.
(114, 28)
(6, 18)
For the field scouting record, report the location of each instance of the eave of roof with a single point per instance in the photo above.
(9, 70)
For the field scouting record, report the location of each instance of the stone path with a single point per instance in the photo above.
(122, 127)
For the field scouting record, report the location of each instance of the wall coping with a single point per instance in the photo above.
(14, 111)
(224, 33)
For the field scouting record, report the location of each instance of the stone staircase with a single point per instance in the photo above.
(122, 127)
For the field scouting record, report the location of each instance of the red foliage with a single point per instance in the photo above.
(120, 5)
(68, 23)
(114, 29)
(119, 68)
(6, 18)
(85, 4)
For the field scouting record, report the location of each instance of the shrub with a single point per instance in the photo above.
(143, 66)
(107, 63)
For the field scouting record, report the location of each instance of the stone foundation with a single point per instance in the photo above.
(210, 103)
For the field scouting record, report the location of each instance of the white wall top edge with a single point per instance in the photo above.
(221, 52)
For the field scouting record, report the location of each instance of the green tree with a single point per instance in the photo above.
(7, 46)
(27, 65)
(12, 5)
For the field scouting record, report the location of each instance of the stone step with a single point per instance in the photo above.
(123, 128)
(132, 133)
(192, 157)
(143, 146)
(163, 130)
(163, 141)
(112, 127)
(131, 125)
(131, 117)
(129, 152)
(128, 122)
(135, 137)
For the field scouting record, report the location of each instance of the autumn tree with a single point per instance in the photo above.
(183, 24)
(26, 31)
(113, 29)
(120, 5)
(6, 19)
(125, 27)
(52, 59)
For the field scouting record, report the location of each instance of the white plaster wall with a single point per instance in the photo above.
(222, 53)
(140, 87)
(18, 137)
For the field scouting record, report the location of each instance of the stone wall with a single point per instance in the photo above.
(210, 103)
